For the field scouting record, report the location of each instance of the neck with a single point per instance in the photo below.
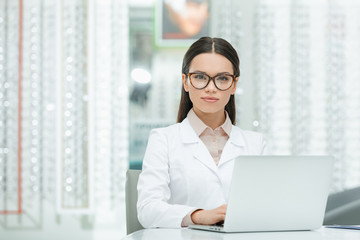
(212, 120)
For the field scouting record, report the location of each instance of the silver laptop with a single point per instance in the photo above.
(276, 193)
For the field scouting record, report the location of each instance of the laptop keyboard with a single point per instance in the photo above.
(219, 224)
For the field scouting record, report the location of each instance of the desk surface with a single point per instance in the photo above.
(185, 233)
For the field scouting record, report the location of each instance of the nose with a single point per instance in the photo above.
(211, 86)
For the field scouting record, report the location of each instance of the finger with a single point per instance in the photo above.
(223, 208)
(220, 218)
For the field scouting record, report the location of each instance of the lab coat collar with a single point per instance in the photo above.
(196, 146)
(237, 137)
(233, 148)
(187, 133)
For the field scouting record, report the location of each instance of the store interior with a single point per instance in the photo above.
(82, 83)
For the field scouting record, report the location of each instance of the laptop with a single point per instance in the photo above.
(276, 193)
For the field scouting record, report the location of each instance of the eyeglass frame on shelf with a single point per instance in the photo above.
(213, 79)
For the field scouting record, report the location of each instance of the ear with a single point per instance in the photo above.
(233, 90)
(185, 82)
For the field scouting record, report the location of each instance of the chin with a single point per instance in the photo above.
(210, 109)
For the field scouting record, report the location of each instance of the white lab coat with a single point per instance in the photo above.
(179, 174)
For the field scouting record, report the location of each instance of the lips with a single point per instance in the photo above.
(210, 99)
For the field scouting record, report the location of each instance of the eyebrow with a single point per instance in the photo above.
(197, 71)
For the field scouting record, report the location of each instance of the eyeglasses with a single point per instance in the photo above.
(222, 81)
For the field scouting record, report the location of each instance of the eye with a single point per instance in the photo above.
(199, 76)
(223, 78)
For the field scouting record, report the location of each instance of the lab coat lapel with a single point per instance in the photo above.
(234, 147)
(198, 148)
(202, 154)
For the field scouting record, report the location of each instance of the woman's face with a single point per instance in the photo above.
(210, 99)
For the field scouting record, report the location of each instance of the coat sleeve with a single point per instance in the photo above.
(153, 187)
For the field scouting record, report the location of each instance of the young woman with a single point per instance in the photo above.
(187, 167)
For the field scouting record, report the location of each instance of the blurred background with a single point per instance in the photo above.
(82, 82)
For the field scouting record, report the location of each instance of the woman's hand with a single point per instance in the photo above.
(209, 217)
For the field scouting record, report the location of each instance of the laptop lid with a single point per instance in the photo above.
(278, 193)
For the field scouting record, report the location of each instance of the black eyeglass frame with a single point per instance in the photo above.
(213, 79)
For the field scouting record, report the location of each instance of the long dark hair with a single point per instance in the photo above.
(208, 45)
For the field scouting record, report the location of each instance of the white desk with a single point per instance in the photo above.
(184, 233)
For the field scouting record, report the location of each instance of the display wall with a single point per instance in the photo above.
(63, 117)
(306, 81)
